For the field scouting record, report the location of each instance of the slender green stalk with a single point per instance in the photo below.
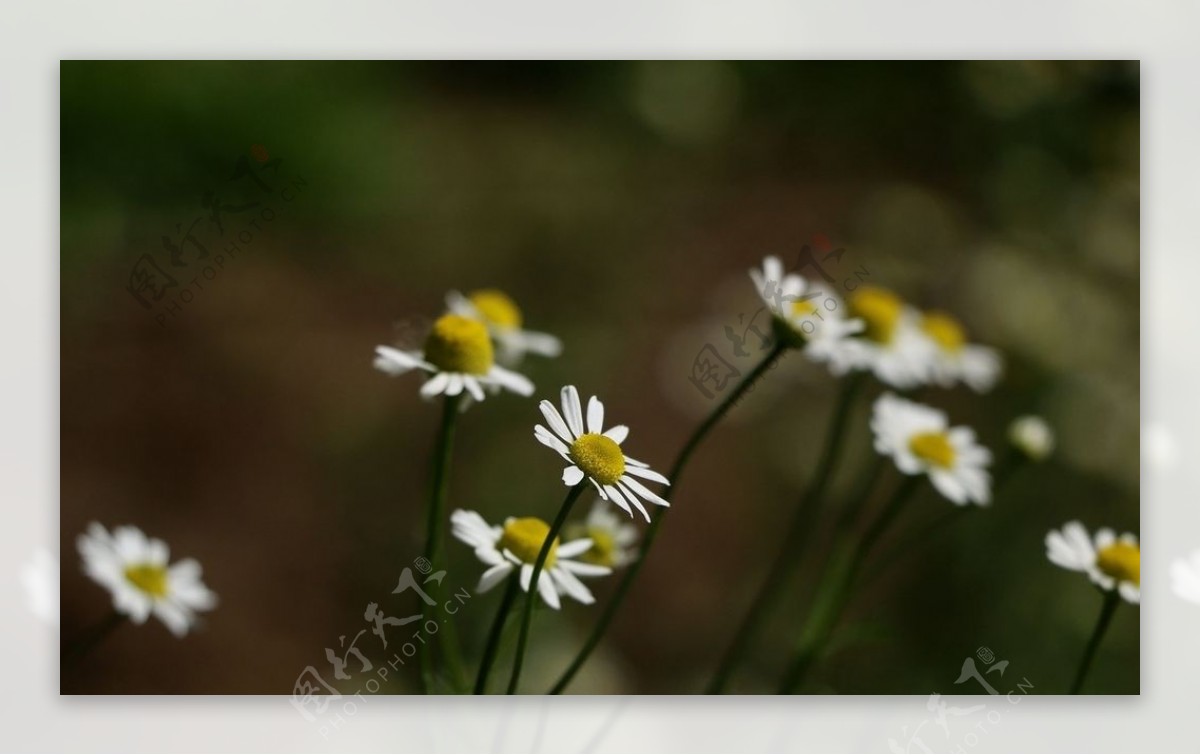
(660, 515)
(532, 596)
(795, 539)
(493, 640)
(834, 592)
(1111, 599)
(435, 515)
(93, 637)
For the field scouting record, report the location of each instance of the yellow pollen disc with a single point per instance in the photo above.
(1122, 562)
(525, 536)
(604, 548)
(945, 331)
(599, 457)
(879, 309)
(496, 307)
(148, 578)
(932, 448)
(459, 344)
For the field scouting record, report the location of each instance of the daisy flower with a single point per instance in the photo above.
(503, 319)
(1032, 436)
(516, 545)
(135, 570)
(1110, 562)
(459, 354)
(1185, 577)
(952, 359)
(920, 441)
(612, 537)
(596, 454)
(892, 345)
(807, 315)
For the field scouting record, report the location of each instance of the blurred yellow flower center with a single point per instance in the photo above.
(945, 331)
(148, 578)
(932, 448)
(599, 457)
(525, 536)
(1122, 562)
(496, 307)
(879, 310)
(604, 547)
(459, 344)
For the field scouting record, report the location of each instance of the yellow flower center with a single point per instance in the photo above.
(932, 448)
(599, 457)
(879, 310)
(604, 547)
(496, 307)
(1122, 562)
(525, 536)
(945, 331)
(459, 344)
(148, 578)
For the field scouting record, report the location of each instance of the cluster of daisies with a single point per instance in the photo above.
(475, 347)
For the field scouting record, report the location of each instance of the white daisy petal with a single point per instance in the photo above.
(572, 410)
(513, 381)
(617, 434)
(556, 422)
(494, 576)
(643, 491)
(595, 416)
(646, 474)
(612, 494)
(571, 585)
(435, 385)
(629, 496)
(572, 476)
(574, 548)
(547, 591)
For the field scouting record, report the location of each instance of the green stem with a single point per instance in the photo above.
(660, 515)
(493, 640)
(1111, 599)
(532, 596)
(793, 541)
(845, 562)
(93, 637)
(433, 536)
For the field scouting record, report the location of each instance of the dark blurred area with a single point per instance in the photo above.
(620, 204)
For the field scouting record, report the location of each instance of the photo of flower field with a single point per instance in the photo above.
(650, 377)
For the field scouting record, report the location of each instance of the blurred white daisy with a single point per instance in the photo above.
(136, 570)
(504, 321)
(1185, 577)
(1110, 562)
(612, 537)
(813, 318)
(39, 577)
(952, 359)
(1032, 436)
(459, 354)
(920, 441)
(596, 454)
(892, 345)
(516, 545)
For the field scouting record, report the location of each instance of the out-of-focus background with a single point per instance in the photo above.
(238, 416)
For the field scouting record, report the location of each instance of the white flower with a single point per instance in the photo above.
(813, 317)
(503, 319)
(517, 544)
(612, 537)
(595, 454)
(953, 359)
(892, 345)
(135, 570)
(1185, 577)
(39, 577)
(920, 441)
(1110, 562)
(459, 353)
(1032, 436)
